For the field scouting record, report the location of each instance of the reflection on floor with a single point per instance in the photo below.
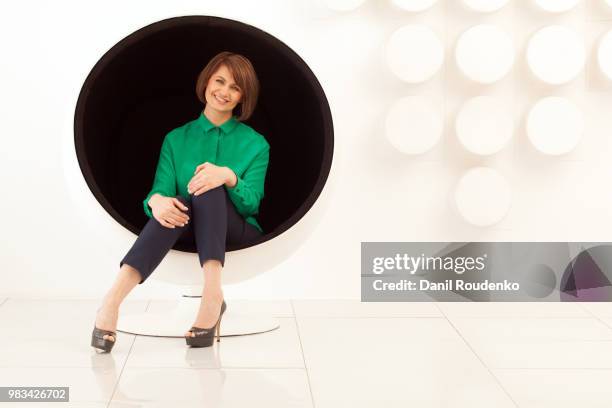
(327, 353)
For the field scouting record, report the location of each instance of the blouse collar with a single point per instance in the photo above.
(226, 126)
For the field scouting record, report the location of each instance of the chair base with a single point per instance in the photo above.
(176, 321)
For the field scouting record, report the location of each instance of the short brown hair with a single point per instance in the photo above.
(244, 74)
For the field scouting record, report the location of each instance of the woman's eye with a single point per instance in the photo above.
(219, 81)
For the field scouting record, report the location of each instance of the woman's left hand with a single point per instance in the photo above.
(207, 176)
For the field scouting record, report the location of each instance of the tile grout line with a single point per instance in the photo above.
(556, 368)
(141, 367)
(521, 317)
(297, 327)
(497, 380)
(595, 316)
(127, 357)
(370, 317)
(257, 368)
(121, 372)
(178, 367)
(440, 310)
(493, 316)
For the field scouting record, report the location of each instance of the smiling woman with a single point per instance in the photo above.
(221, 196)
(143, 87)
(228, 80)
(221, 149)
(127, 141)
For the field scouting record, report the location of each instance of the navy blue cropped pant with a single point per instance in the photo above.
(213, 223)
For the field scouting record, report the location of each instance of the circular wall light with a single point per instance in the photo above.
(414, 53)
(485, 6)
(413, 6)
(556, 6)
(482, 196)
(555, 54)
(413, 125)
(484, 53)
(604, 54)
(144, 86)
(484, 125)
(555, 125)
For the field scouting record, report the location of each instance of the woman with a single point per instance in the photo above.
(211, 171)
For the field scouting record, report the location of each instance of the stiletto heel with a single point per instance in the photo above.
(205, 337)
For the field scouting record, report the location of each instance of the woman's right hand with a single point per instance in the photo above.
(167, 211)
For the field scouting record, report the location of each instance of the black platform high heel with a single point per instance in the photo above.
(98, 341)
(206, 337)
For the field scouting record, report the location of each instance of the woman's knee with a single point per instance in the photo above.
(217, 193)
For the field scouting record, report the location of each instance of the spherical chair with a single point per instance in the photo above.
(144, 86)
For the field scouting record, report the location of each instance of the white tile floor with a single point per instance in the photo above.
(327, 353)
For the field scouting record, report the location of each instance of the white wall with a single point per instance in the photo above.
(57, 241)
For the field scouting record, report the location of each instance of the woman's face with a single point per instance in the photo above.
(221, 92)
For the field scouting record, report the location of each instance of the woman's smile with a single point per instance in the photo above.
(220, 99)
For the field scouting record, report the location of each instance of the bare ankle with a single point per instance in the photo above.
(111, 306)
(216, 295)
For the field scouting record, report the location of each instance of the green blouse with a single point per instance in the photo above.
(232, 144)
